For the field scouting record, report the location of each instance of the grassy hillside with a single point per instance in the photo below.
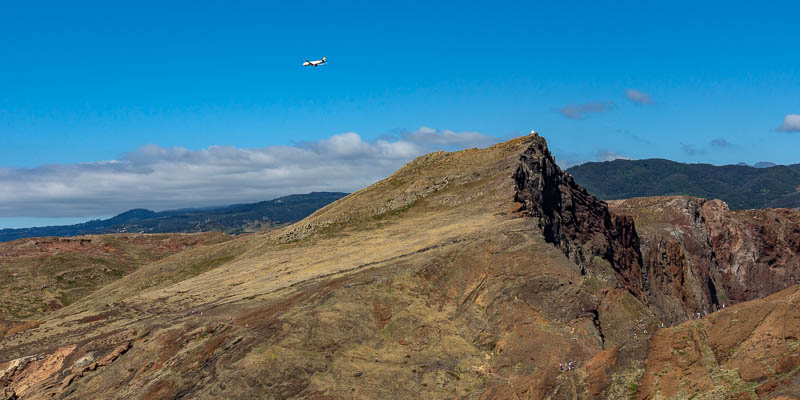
(741, 187)
(43, 274)
(234, 219)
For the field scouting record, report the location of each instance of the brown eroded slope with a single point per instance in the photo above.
(463, 275)
(747, 351)
(44, 274)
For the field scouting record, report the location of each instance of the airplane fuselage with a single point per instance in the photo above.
(314, 63)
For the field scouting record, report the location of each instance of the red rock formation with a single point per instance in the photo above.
(753, 342)
(700, 255)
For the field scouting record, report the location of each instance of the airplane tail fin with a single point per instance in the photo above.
(324, 59)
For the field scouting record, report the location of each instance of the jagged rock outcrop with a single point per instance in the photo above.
(575, 221)
(700, 255)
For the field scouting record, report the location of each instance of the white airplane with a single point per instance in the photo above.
(315, 63)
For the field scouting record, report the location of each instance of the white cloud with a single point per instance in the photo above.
(638, 96)
(162, 178)
(791, 123)
(608, 155)
(578, 111)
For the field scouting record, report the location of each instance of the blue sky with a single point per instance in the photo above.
(83, 84)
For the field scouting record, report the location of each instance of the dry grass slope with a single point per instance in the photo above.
(44, 274)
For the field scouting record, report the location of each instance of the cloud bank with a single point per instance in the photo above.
(578, 111)
(637, 96)
(162, 178)
(791, 123)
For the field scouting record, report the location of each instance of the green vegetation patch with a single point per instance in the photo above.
(64, 299)
(199, 267)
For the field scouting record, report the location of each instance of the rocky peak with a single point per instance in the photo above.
(575, 221)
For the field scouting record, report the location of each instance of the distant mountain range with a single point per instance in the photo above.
(741, 186)
(238, 218)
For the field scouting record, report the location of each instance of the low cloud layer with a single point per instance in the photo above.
(791, 123)
(579, 111)
(162, 178)
(637, 96)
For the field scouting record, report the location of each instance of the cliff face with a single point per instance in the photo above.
(757, 251)
(575, 221)
(700, 255)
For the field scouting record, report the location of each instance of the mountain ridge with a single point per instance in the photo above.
(232, 219)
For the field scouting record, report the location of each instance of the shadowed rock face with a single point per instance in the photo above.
(575, 221)
(700, 255)
(475, 274)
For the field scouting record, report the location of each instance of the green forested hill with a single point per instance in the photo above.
(234, 219)
(742, 187)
